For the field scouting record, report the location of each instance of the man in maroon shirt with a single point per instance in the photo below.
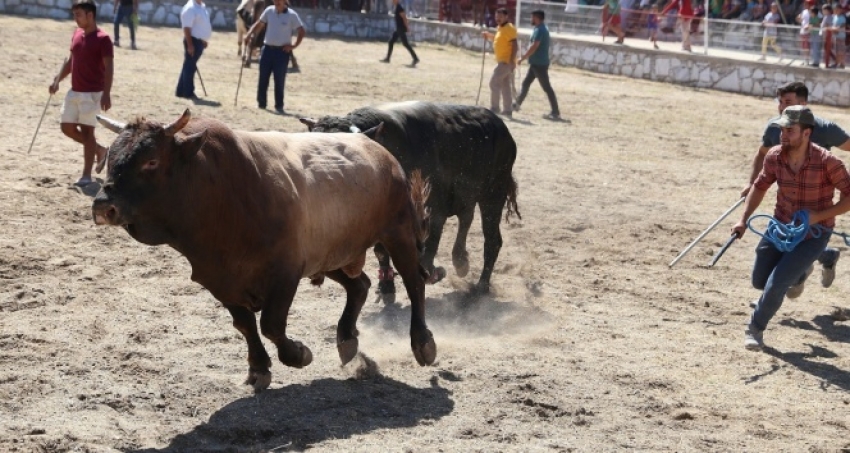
(807, 177)
(90, 66)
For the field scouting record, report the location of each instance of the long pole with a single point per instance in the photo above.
(518, 9)
(723, 249)
(202, 80)
(239, 83)
(707, 230)
(46, 104)
(481, 79)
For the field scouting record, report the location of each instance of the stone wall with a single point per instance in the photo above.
(737, 76)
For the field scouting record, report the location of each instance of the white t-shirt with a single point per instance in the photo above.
(804, 21)
(196, 17)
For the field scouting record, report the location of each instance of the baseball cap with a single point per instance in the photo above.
(796, 114)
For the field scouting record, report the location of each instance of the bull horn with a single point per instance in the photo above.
(354, 129)
(111, 124)
(178, 125)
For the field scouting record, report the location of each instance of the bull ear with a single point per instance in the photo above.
(375, 132)
(191, 144)
(178, 125)
(309, 122)
(111, 124)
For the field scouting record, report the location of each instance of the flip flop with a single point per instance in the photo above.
(82, 182)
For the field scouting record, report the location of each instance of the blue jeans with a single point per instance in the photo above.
(124, 12)
(273, 61)
(775, 272)
(186, 82)
(815, 48)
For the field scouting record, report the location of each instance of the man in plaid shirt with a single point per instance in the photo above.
(807, 176)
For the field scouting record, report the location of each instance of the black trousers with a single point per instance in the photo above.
(403, 35)
(540, 72)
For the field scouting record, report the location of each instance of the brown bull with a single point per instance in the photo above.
(255, 212)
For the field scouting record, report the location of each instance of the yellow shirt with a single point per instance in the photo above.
(505, 35)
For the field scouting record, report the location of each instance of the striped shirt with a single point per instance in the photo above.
(812, 188)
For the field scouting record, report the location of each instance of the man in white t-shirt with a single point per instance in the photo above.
(197, 30)
(803, 19)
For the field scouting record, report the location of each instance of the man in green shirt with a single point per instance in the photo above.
(538, 62)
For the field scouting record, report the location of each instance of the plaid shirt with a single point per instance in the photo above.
(812, 188)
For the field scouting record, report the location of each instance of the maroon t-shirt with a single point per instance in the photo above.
(87, 53)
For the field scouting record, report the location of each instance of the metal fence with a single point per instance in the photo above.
(731, 35)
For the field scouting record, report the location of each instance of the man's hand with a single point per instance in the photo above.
(746, 191)
(487, 35)
(739, 229)
(105, 102)
(205, 44)
(190, 48)
(288, 48)
(54, 87)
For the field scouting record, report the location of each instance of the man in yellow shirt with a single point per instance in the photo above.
(505, 50)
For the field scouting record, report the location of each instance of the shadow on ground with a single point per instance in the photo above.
(297, 416)
(463, 315)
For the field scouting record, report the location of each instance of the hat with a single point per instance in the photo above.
(796, 114)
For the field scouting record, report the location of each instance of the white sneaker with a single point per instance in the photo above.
(753, 339)
(827, 273)
(796, 290)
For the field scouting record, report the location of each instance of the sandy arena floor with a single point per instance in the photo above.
(589, 344)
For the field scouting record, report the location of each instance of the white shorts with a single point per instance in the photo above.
(81, 108)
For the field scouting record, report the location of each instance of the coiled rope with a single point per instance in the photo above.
(786, 236)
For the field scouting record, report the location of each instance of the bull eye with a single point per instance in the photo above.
(150, 165)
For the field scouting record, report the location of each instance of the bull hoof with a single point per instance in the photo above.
(260, 380)
(461, 265)
(425, 351)
(347, 350)
(298, 355)
(438, 274)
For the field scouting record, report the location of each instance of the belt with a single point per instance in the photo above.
(274, 47)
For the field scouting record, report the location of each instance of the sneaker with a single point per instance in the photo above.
(415, 62)
(515, 107)
(796, 290)
(116, 43)
(385, 60)
(279, 110)
(827, 274)
(655, 45)
(508, 115)
(753, 338)
(133, 46)
(552, 117)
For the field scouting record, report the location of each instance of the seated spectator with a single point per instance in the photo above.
(732, 9)
(789, 11)
(760, 10)
(749, 11)
(715, 9)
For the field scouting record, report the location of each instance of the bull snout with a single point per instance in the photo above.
(103, 210)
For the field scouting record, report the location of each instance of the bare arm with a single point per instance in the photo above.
(487, 35)
(837, 209)
(530, 51)
(106, 99)
(187, 35)
(298, 39)
(256, 28)
(754, 199)
(514, 51)
(63, 72)
(758, 163)
(845, 146)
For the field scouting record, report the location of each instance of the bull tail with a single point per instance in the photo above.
(512, 206)
(420, 188)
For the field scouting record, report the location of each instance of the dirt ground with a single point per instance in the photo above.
(589, 343)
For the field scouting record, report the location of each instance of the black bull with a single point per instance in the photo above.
(467, 153)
